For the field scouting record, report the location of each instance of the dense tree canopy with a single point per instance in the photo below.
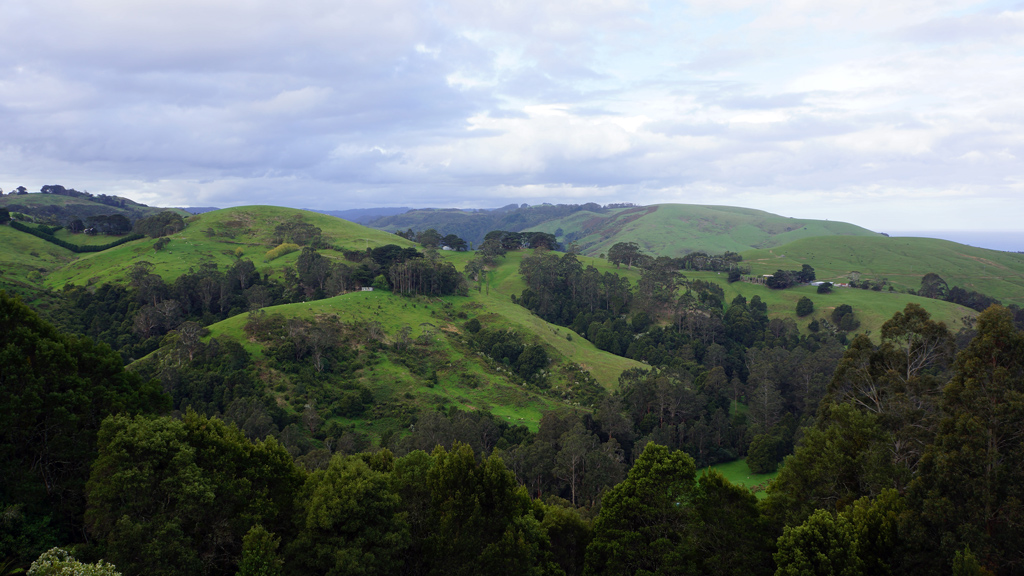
(55, 390)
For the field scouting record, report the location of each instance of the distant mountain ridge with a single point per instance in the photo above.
(659, 229)
(363, 215)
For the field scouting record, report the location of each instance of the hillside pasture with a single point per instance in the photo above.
(221, 237)
(429, 319)
(903, 261)
(739, 474)
(677, 229)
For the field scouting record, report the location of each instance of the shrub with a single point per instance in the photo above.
(58, 562)
(804, 307)
(281, 250)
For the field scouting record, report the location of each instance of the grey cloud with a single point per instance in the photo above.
(990, 27)
(758, 102)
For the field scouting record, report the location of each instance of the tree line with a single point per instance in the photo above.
(909, 466)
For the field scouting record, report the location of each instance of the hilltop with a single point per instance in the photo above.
(677, 229)
(58, 209)
(221, 239)
(659, 229)
(902, 262)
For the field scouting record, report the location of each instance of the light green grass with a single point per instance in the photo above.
(903, 261)
(505, 281)
(871, 308)
(252, 228)
(23, 254)
(739, 474)
(676, 229)
(388, 381)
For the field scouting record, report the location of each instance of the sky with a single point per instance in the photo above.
(890, 114)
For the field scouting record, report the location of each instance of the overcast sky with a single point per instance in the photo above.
(893, 114)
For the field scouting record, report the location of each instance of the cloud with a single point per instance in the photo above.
(794, 104)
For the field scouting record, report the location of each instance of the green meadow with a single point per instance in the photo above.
(901, 261)
(872, 308)
(739, 474)
(676, 229)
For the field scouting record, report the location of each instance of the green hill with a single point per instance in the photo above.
(676, 229)
(902, 261)
(222, 236)
(872, 308)
(59, 209)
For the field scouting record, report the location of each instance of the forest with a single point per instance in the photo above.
(138, 444)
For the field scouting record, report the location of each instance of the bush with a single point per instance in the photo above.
(281, 250)
(825, 288)
(58, 562)
(804, 307)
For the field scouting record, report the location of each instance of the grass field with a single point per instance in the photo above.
(739, 474)
(424, 316)
(871, 308)
(221, 237)
(676, 229)
(902, 261)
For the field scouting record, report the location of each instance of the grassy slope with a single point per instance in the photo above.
(24, 253)
(250, 228)
(903, 261)
(505, 281)
(872, 309)
(46, 203)
(390, 381)
(739, 474)
(253, 226)
(675, 229)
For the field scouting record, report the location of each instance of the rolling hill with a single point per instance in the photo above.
(676, 229)
(902, 261)
(224, 236)
(59, 209)
(659, 229)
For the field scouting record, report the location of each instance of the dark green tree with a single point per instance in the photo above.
(824, 545)
(734, 538)
(178, 496)
(804, 306)
(350, 521)
(647, 524)
(429, 238)
(933, 286)
(259, 553)
(627, 253)
(971, 485)
(55, 391)
(763, 454)
(482, 521)
(833, 465)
